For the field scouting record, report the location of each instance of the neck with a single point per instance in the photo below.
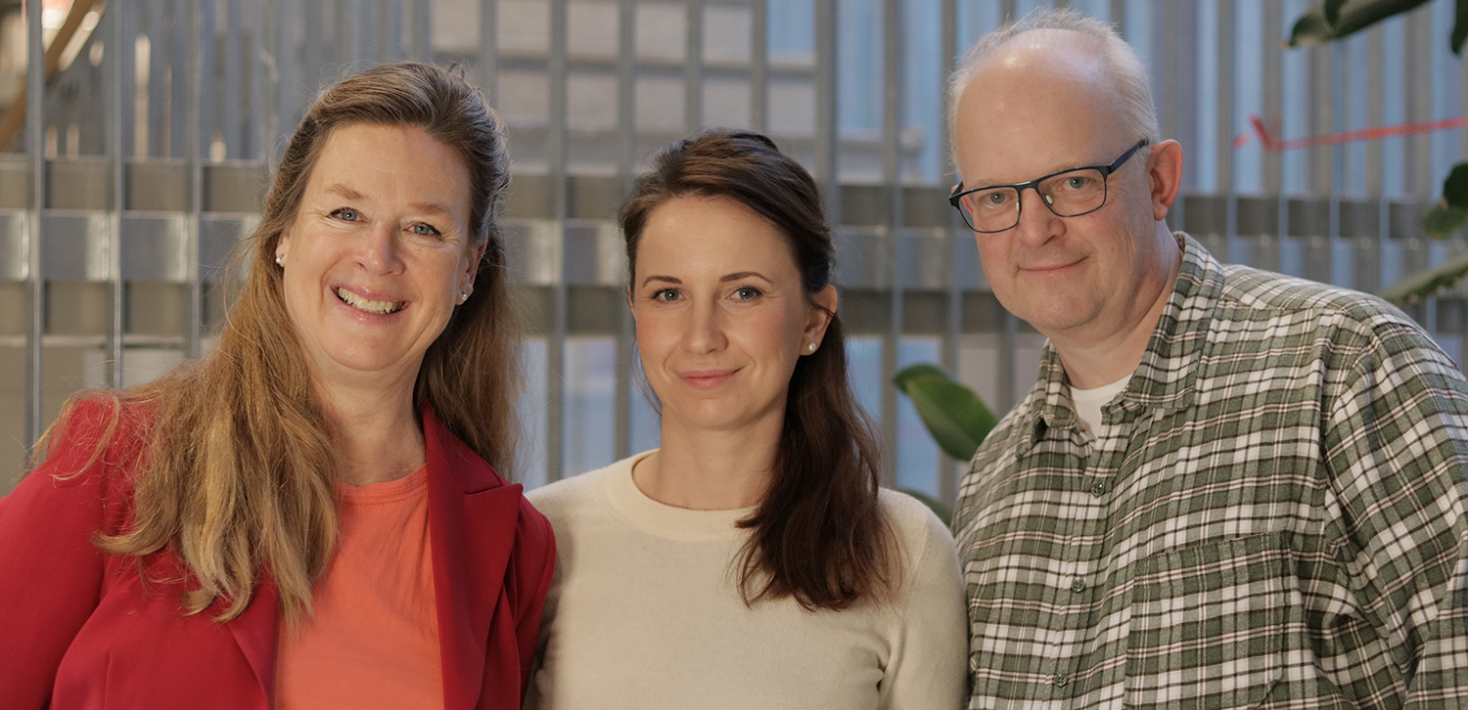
(378, 434)
(1111, 351)
(711, 470)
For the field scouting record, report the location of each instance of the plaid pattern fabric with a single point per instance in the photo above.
(1271, 515)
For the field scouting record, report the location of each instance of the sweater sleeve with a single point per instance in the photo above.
(928, 665)
(50, 573)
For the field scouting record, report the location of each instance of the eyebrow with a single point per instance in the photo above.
(344, 190)
(724, 279)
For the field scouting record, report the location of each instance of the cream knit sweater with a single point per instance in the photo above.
(645, 615)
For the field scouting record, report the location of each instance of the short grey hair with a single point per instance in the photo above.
(1119, 59)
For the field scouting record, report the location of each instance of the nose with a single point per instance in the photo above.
(1037, 224)
(703, 333)
(378, 253)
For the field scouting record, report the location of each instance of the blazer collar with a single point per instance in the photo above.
(472, 518)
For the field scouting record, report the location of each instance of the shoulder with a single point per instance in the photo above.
(566, 499)
(917, 530)
(1247, 289)
(95, 437)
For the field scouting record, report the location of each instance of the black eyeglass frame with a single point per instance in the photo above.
(955, 197)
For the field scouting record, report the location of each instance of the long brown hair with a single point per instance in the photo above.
(819, 534)
(239, 477)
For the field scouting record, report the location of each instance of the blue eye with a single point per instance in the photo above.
(347, 214)
(666, 295)
(424, 230)
(747, 293)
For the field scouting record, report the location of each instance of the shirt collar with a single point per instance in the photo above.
(1165, 378)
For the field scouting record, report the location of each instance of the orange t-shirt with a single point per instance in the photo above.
(373, 642)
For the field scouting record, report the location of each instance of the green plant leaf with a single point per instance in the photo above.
(1460, 27)
(1427, 283)
(1455, 187)
(1313, 27)
(953, 414)
(1332, 11)
(944, 512)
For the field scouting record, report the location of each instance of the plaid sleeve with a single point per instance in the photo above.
(1396, 446)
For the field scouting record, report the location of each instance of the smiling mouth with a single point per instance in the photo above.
(365, 305)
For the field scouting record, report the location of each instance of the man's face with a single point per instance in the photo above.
(1035, 110)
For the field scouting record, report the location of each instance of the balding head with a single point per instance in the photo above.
(1095, 53)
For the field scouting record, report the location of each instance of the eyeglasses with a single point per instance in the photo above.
(1068, 193)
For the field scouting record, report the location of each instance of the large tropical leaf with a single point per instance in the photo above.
(1427, 283)
(1316, 26)
(953, 414)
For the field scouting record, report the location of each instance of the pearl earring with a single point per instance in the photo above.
(463, 297)
(277, 259)
(812, 347)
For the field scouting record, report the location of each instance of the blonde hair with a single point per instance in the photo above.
(1121, 62)
(240, 472)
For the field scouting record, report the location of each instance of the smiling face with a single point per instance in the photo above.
(378, 253)
(1036, 109)
(721, 314)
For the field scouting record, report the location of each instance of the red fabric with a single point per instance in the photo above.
(80, 630)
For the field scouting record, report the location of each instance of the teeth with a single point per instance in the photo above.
(362, 304)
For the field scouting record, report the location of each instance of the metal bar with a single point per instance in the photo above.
(157, 55)
(287, 65)
(115, 65)
(556, 154)
(626, 164)
(232, 116)
(35, 281)
(489, 50)
(827, 131)
(262, 76)
(178, 73)
(953, 328)
(891, 175)
(759, 65)
(1375, 161)
(193, 335)
(693, 68)
(420, 44)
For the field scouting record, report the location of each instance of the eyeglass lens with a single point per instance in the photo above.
(1067, 194)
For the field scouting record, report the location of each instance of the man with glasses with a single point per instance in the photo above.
(1228, 488)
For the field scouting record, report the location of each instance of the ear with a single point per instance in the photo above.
(824, 305)
(467, 285)
(283, 242)
(1164, 176)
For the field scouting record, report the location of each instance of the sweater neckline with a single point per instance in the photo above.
(667, 520)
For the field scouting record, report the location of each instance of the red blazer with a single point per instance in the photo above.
(78, 629)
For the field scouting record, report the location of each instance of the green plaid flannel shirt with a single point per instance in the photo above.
(1271, 515)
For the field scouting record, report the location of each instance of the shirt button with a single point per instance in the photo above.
(1060, 680)
(1078, 586)
(1098, 490)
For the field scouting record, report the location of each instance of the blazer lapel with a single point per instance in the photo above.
(472, 516)
(256, 632)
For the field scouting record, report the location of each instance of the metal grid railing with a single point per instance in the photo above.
(140, 168)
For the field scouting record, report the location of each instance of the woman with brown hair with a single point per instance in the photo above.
(751, 561)
(309, 516)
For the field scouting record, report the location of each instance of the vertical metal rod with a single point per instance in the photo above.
(178, 77)
(488, 50)
(556, 154)
(287, 63)
(1227, 126)
(263, 75)
(420, 46)
(113, 66)
(194, 139)
(626, 165)
(157, 55)
(693, 68)
(35, 279)
(759, 65)
(953, 331)
(232, 116)
(892, 176)
(827, 129)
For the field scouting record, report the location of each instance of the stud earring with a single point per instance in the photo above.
(812, 347)
(277, 259)
(463, 297)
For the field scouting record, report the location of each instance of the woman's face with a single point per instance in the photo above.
(721, 314)
(378, 253)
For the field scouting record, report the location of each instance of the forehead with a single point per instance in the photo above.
(1035, 108)
(718, 235)
(399, 162)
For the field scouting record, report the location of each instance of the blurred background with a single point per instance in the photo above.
(123, 189)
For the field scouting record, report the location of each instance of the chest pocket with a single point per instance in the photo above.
(1208, 622)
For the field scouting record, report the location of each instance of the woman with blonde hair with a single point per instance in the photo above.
(310, 515)
(751, 561)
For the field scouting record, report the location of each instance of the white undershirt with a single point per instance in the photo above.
(1089, 402)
